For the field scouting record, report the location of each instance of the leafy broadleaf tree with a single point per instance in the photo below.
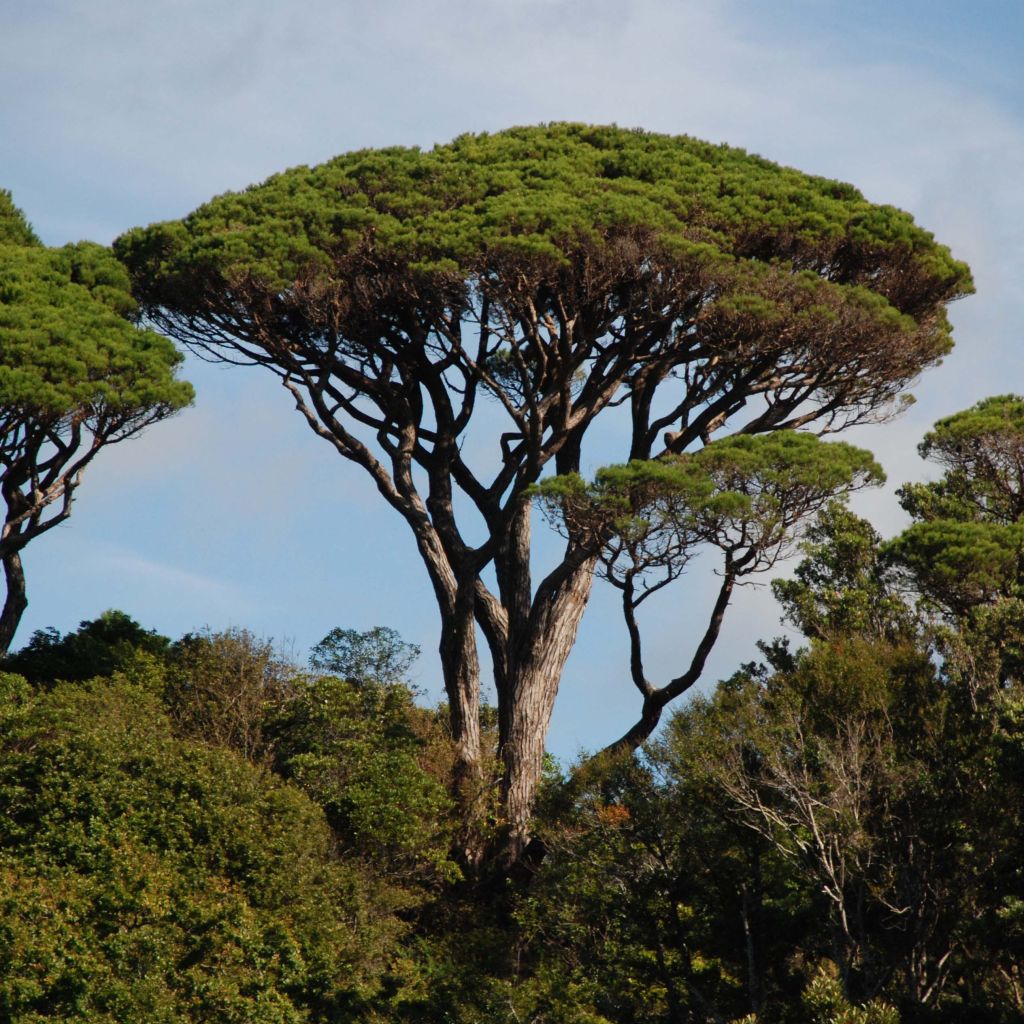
(356, 748)
(76, 374)
(838, 762)
(844, 586)
(146, 877)
(560, 272)
(646, 890)
(113, 642)
(221, 687)
(377, 655)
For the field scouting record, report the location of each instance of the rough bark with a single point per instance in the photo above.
(532, 683)
(461, 671)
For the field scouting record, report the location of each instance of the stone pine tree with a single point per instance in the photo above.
(965, 548)
(514, 288)
(76, 374)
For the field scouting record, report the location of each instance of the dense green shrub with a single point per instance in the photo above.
(151, 878)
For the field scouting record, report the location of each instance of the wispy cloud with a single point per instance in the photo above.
(179, 585)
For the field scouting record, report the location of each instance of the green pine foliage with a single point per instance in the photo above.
(535, 191)
(70, 346)
(744, 494)
(776, 259)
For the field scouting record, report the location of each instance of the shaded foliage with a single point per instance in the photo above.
(99, 647)
(356, 749)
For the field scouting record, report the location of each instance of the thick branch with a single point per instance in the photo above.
(656, 700)
(636, 661)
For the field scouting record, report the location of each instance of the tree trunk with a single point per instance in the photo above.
(461, 669)
(534, 672)
(16, 601)
(752, 910)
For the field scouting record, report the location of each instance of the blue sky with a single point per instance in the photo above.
(117, 113)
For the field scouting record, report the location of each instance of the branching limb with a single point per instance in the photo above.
(655, 700)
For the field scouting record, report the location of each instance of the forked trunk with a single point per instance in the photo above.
(16, 601)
